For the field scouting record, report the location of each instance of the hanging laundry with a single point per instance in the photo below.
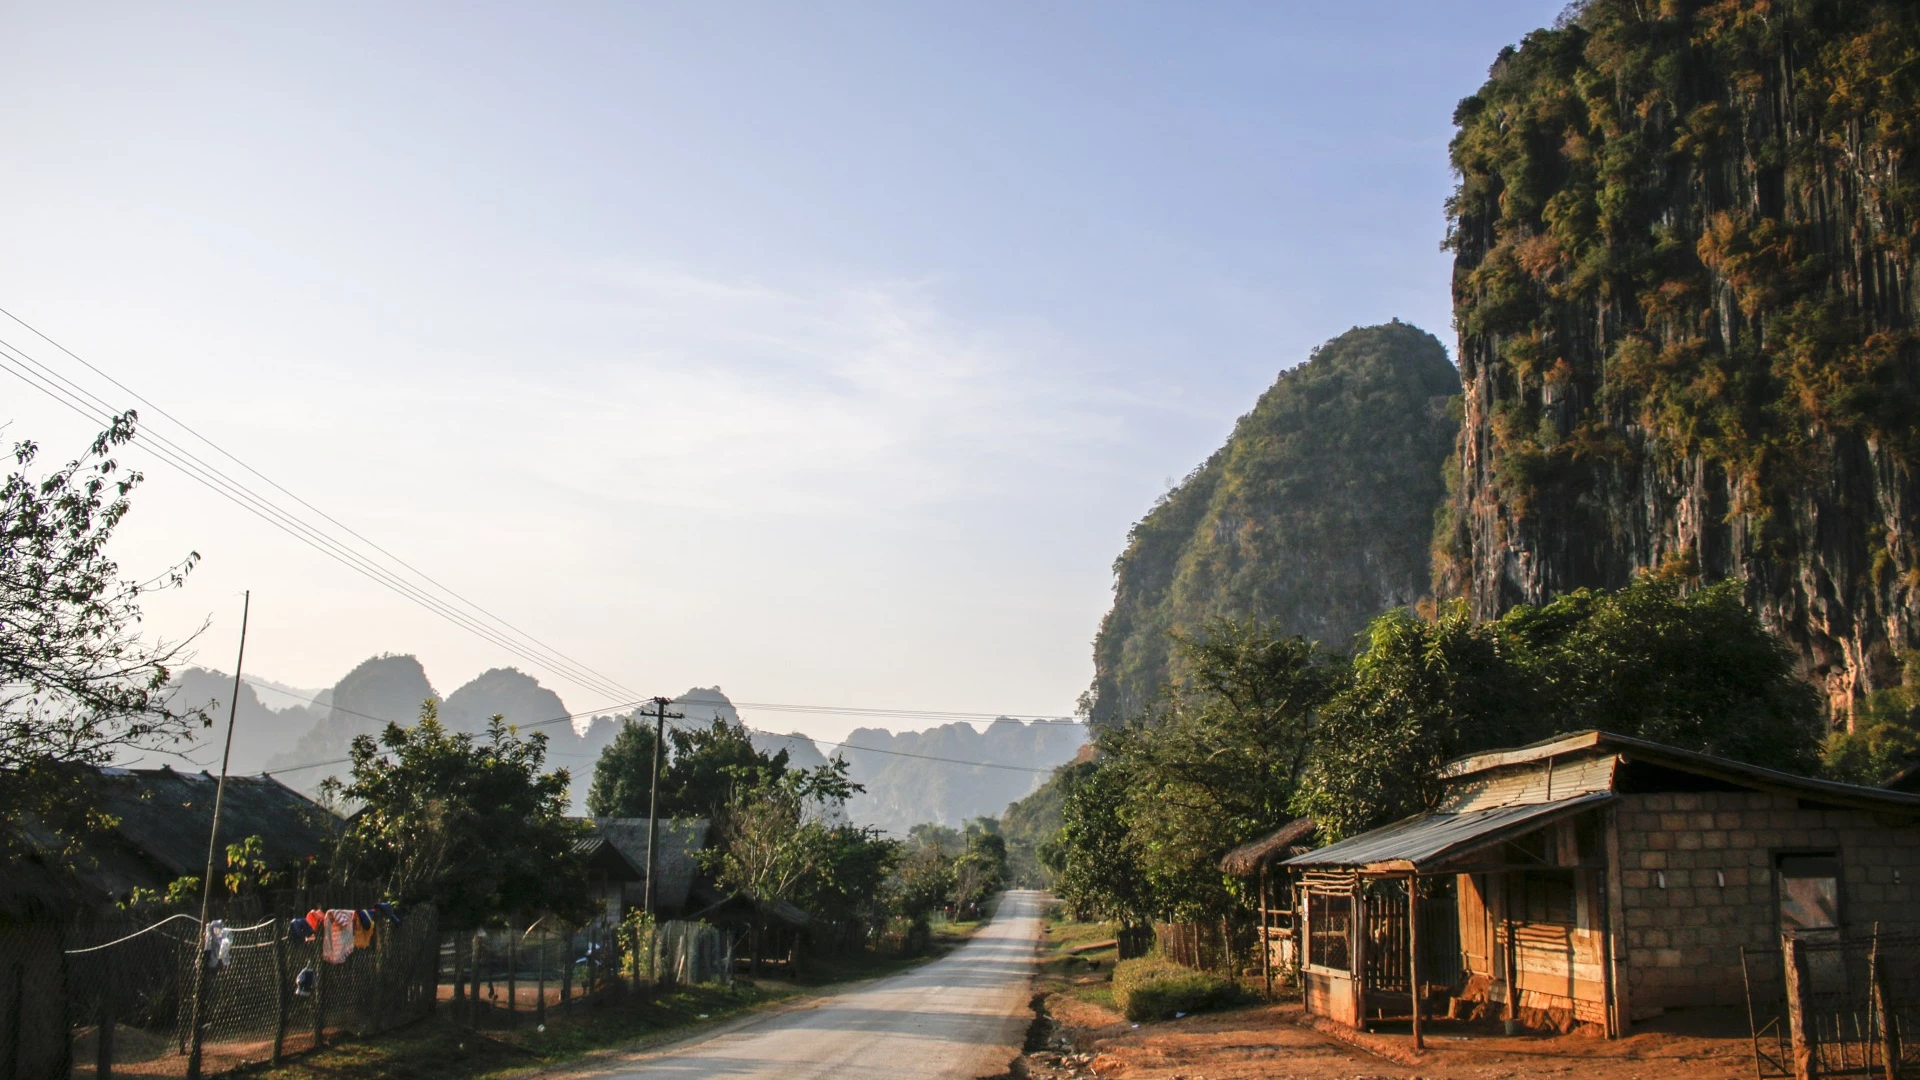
(337, 945)
(299, 932)
(387, 909)
(316, 919)
(363, 929)
(304, 982)
(218, 945)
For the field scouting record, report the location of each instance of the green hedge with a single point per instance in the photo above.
(1155, 988)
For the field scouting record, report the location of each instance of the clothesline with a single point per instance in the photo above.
(156, 926)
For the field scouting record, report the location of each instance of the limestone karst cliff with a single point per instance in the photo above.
(1318, 513)
(1684, 238)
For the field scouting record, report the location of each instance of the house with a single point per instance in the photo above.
(1595, 879)
(676, 860)
(609, 875)
(160, 821)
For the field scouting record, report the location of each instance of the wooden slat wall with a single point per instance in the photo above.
(1535, 782)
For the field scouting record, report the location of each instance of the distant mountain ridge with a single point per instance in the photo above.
(304, 743)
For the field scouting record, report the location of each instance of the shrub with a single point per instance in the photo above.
(1155, 988)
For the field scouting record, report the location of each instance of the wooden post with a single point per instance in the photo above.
(320, 982)
(540, 1010)
(1512, 954)
(1358, 932)
(473, 992)
(1799, 987)
(103, 1048)
(1884, 1013)
(566, 971)
(513, 976)
(1413, 955)
(1620, 1003)
(459, 981)
(281, 1006)
(1266, 948)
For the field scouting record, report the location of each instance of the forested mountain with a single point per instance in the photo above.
(1318, 512)
(1685, 289)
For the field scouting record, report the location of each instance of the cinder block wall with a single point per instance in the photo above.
(1683, 941)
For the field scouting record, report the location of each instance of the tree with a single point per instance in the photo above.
(1420, 694)
(1214, 763)
(471, 825)
(699, 772)
(78, 685)
(623, 776)
(1093, 865)
(1692, 669)
(773, 842)
(855, 863)
(981, 869)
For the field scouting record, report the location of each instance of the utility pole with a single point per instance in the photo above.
(660, 716)
(200, 970)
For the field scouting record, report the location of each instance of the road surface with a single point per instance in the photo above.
(960, 1017)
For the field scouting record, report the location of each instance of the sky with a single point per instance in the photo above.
(822, 352)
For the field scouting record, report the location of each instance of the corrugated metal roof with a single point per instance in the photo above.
(1427, 839)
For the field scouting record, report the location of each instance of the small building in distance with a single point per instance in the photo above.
(1595, 879)
(676, 858)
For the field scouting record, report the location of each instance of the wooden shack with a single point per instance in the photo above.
(1595, 879)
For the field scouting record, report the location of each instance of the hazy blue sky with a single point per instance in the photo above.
(822, 351)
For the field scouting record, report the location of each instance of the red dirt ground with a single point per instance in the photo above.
(1277, 1042)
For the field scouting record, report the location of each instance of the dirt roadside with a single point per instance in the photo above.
(1078, 1040)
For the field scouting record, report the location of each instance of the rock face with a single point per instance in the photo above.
(1684, 240)
(506, 692)
(379, 690)
(1318, 512)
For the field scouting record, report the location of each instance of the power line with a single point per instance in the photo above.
(71, 394)
(170, 453)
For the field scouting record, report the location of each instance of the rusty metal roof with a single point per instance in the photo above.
(1423, 841)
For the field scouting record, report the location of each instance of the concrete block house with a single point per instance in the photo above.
(1595, 879)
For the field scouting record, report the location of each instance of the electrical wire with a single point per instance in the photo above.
(66, 392)
(40, 376)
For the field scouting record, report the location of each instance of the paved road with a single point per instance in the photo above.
(957, 1018)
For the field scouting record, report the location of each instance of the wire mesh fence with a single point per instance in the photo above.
(1833, 1005)
(116, 997)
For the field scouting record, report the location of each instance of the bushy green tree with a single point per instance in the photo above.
(1215, 763)
(1689, 668)
(1093, 866)
(473, 825)
(622, 784)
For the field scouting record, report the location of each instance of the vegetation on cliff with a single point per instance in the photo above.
(1684, 238)
(1316, 513)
